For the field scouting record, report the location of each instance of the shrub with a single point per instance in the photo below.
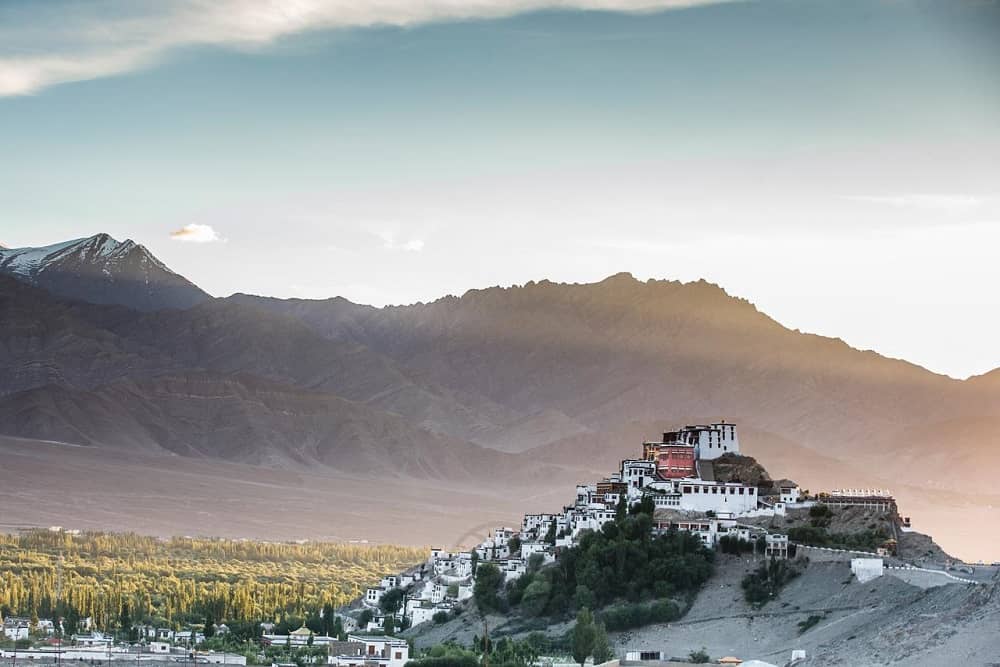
(731, 544)
(819, 511)
(766, 581)
(440, 617)
(809, 622)
(699, 657)
(446, 661)
(628, 616)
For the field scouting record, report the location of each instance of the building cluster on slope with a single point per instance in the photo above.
(676, 474)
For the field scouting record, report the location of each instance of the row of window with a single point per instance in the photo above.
(720, 489)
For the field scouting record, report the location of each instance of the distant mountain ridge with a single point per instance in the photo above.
(100, 269)
(491, 386)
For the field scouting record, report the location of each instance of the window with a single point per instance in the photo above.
(399, 655)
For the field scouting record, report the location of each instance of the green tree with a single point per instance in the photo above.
(389, 625)
(364, 619)
(329, 619)
(536, 596)
(514, 545)
(209, 627)
(124, 619)
(488, 581)
(602, 647)
(391, 601)
(584, 635)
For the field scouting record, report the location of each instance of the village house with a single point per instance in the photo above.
(94, 638)
(16, 628)
(776, 546)
(296, 638)
(370, 650)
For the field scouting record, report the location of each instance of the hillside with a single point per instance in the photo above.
(580, 361)
(246, 419)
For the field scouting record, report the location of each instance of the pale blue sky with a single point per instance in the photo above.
(838, 163)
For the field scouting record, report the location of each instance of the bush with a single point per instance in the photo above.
(820, 511)
(731, 544)
(446, 661)
(440, 617)
(699, 657)
(764, 584)
(809, 622)
(816, 536)
(626, 617)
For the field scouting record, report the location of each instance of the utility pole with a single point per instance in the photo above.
(59, 569)
(486, 642)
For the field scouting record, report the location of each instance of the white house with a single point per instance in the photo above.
(95, 638)
(214, 658)
(159, 647)
(383, 651)
(703, 496)
(776, 546)
(300, 637)
(15, 628)
(711, 441)
(788, 491)
(636, 475)
(866, 569)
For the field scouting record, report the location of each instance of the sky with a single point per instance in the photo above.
(837, 162)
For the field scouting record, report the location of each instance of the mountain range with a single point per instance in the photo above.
(505, 390)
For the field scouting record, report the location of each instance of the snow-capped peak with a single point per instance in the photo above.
(101, 269)
(27, 261)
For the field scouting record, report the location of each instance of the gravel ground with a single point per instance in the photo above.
(882, 622)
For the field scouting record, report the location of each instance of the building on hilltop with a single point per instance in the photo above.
(878, 500)
(710, 441)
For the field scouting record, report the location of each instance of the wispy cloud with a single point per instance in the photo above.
(390, 242)
(58, 42)
(938, 202)
(195, 234)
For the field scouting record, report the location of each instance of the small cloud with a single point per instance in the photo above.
(389, 242)
(195, 234)
(938, 202)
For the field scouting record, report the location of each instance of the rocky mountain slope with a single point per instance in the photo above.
(100, 269)
(580, 362)
(241, 418)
